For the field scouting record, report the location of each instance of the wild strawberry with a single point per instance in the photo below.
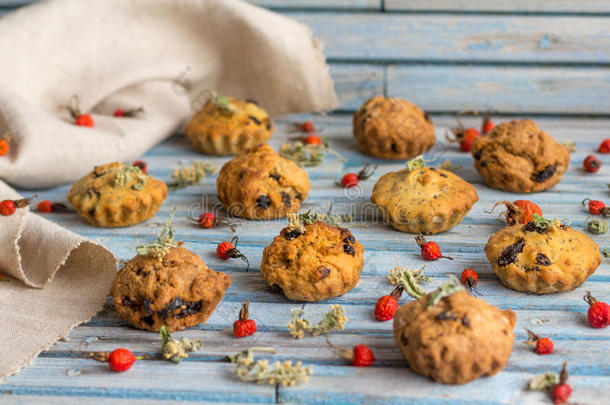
(604, 147)
(430, 250)
(121, 360)
(243, 326)
(8, 207)
(128, 113)
(592, 164)
(470, 279)
(360, 355)
(351, 179)
(487, 125)
(226, 250)
(561, 392)
(542, 345)
(313, 140)
(596, 207)
(519, 211)
(5, 147)
(598, 313)
(45, 206)
(308, 127)
(85, 120)
(142, 165)
(387, 305)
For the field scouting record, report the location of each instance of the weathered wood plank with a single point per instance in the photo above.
(465, 38)
(354, 84)
(319, 4)
(504, 89)
(519, 6)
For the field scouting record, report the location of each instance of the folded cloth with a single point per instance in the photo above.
(163, 55)
(57, 281)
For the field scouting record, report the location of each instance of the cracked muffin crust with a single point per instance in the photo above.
(392, 128)
(115, 195)
(260, 184)
(543, 260)
(226, 126)
(425, 200)
(322, 262)
(177, 291)
(455, 341)
(517, 156)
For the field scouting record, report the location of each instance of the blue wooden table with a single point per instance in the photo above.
(534, 58)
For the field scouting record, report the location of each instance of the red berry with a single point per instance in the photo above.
(121, 360)
(5, 147)
(596, 207)
(362, 356)
(598, 313)
(7, 208)
(470, 278)
(349, 180)
(226, 250)
(45, 206)
(468, 139)
(119, 113)
(488, 124)
(243, 326)
(387, 305)
(313, 140)
(592, 164)
(142, 165)
(561, 393)
(84, 120)
(308, 127)
(430, 250)
(206, 220)
(519, 211)
(604, 147)
(544, 346)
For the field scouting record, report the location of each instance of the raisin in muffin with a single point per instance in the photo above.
(226, 126)
(177, 290)
(259, 184)
(115, 195)
(542, 257)
(314, 262)
(424, 200)
(455, 341)
(392, 128)
(519, 157)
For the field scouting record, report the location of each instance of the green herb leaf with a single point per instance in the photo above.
(416, 163)
(164, 242)
(446, 289)
(543, 382)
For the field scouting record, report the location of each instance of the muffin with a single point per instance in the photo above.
(259, 184)
(519, 157)
(177, 290)
(455, 341)
(424, 200)
(542, 256)
(226, 126)
(392, 128)
(115, 195)
(312, 261)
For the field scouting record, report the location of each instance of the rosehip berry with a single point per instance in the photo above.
(121, 360)
(308, 127)
(349, 180)
(470, 278)
(541, 345)
(206, 220)
(85, 120)
(313, 140)
(8, 207)
(598, 313)
(468, 139)
(128, 113)
(430, 250)
(363, 356)
(243, 326)
(45, 206)
(592, 164)
(5, 147)
(596, 207)
(561, 392)
(488, 124)
(519, 211)
(387, 305)
(119, 113)
(142, 165)
(227, 250)
(604, 147)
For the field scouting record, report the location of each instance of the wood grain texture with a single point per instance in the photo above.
(520, 6)
(320, 4)
(203, 377)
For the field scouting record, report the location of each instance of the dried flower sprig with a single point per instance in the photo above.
(416, 163)
(126, 173)
(175, 350)
(297, 222)
(542, 224)
(569, 145)
(285, 374)
(333, 319)
(409, 279)
(543, 382)
(190, 176)
(446, 289)
(596, 226)
(223, 103)
(164, 242)
(446, 165)
(308, 155)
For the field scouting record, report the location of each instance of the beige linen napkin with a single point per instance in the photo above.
(163, 55)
